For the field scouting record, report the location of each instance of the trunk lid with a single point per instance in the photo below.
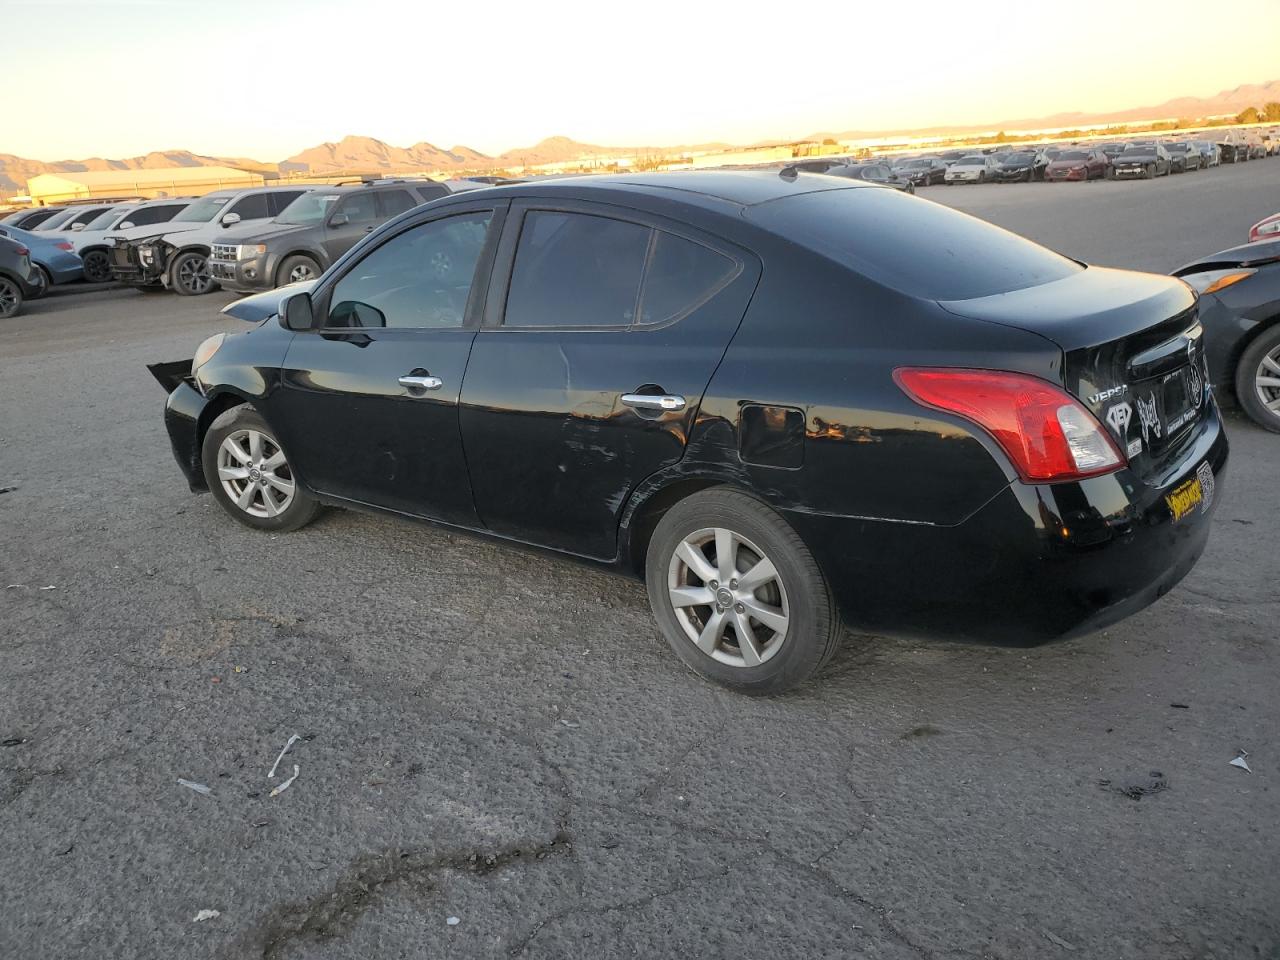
(1133, 353)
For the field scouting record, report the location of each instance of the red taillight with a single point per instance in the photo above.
(1267, 229)
(65, 246)
(23, 251)
(1045, 431)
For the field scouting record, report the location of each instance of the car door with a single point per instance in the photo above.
(602, 328)
(368, 402)
(351, 218)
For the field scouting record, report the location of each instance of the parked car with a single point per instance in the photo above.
(1239, 292)
(951, 156)
(55, 258)
(629, 363)
(975, 168)
(873, 172)
(1265, 229)
(95, 241)
(1112, 150)
(1210, 153)
(1256, 148)
(178, 256)
(1021, 166)
(19, 278)
(311, 233)
(921, 171)
(1232, 151)
(65, 220)
(1184, 156)
(1141, 161)
(28, 219)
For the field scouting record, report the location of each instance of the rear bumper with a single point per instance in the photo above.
(1037, 563)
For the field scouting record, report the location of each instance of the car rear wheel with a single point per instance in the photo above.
(982, 177)
(46, 282)
(297, 268)
(737, 594)
(1258, 379)
(190, 275)
(1150, 172)
(10, 298)
(249, 474)
(97, 268)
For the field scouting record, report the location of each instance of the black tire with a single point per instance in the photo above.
(299, 510)
(189, 274)
(813, 625)
(46, 283)
(97, 268)
(297, 263)
(1150, 172)
(1248, 369)
(1031, 175)
(982, 177)
(911, 189)
(1109, 173)
(10, 298)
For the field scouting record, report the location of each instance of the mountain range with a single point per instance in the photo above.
(366, 154)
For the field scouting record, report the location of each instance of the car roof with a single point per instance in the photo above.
(742, 188)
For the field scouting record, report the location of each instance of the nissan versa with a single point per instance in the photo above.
(785, 401)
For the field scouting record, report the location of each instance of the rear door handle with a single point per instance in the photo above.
(421, 383)
(650, 401)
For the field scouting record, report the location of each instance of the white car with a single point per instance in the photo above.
(129, 220)
(74, 217)
(978, 168)
(179, 257)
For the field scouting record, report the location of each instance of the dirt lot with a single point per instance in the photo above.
(502, 738)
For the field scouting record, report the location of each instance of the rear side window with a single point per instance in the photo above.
(277, 200)
(432, 192)
(916, 247)
(252, 207)
(393, 202)
(682, 275)
(576, 270)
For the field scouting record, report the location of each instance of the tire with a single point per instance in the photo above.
(10, 298)
(792, 651)
(97, 268)
(189, 274)
(46, 283)
(273, 500)
(1261, 359)
(1150, 172)
(1031, 175)
(911, 189)
(982, 177)
(294, 267)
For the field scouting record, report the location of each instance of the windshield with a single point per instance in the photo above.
(1019, 158)
(1177, 147)
(308, 208)
(972, 162)
(202, 211)
(1073, 155)
(104, 220)
(1139, 152)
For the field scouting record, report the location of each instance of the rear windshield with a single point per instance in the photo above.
(914, 246)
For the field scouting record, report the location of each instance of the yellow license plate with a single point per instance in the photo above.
(1185, 498)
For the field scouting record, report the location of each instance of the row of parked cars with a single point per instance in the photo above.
(1136, 159)
(246, 240)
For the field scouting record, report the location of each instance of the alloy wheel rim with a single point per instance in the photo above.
(1267, 381)
(95, 267)
(299, 273)
(8, 297)
(254, 473)
(194, 274)
(728, 597)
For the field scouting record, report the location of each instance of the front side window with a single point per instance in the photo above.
(576, 270)
(418, 279)
(358, 208)
(308, 208)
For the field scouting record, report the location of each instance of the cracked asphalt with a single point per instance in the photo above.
(503, 738)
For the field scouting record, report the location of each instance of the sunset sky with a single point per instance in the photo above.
(267, 79)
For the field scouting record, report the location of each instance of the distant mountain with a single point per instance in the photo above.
(1221, 103)
(15, 171)
(367, 155)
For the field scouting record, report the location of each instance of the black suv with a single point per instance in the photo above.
(20, 279)
(312, 232)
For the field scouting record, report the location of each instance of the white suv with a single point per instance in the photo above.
(133, 219)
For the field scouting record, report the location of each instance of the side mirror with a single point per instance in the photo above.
(295, 312)
(77, 227)
(230, 219)
(126, 225)
(339, 220)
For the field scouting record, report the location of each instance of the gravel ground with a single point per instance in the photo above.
(503, 738)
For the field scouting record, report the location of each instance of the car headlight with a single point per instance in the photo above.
(146, 254)
(1211, 281)
(205, 352)
(250, 251)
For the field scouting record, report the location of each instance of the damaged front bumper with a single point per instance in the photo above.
(184, 412)
(140, 263)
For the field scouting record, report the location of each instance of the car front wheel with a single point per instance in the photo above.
(1258, 379)
(190, 274)
(738, 595)
(10, 298)
(249, 474)
(296, 269)
(96, 266)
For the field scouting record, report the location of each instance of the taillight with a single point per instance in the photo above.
(1045, 431)
(1265, 229)
(23, 251)
(65, 246)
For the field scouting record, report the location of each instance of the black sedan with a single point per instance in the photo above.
(1141, 160)
(1240, 309)
(785, 401)
(921, 171)
(1012, 167)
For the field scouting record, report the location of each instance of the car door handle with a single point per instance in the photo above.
(650, 401)
(421, 383)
